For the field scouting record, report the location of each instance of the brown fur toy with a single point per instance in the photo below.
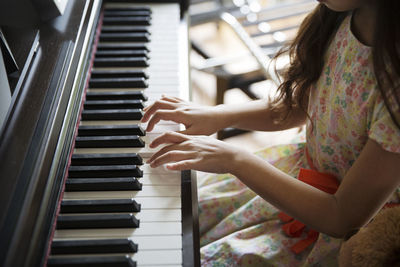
(376, 244)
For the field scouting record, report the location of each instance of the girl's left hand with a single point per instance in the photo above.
(202, 153)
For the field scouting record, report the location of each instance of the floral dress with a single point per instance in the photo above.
(239, 228)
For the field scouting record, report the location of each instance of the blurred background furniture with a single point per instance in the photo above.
(260, 28)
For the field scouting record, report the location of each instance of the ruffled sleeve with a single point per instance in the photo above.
(383, 130)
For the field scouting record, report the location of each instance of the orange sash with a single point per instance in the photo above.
(294, 228)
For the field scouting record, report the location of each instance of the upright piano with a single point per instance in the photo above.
(74, 186)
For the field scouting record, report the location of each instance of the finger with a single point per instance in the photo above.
(188, 164)
(173, 99)
(159, 104)
(188, 131)
(167, 115)
(172, 156)
(168, 138)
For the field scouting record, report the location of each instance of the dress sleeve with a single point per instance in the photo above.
(383, 130)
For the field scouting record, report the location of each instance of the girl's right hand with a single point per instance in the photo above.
(198, 120)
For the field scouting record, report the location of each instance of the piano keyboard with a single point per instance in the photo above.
(117, 211)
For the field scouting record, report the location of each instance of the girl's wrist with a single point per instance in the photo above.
(224, 115)
(240, 162)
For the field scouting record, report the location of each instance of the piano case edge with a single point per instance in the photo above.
(26, 228)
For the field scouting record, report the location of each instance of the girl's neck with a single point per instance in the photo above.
(363, 24)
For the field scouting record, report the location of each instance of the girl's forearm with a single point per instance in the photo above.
(309, 205)
(255, 115)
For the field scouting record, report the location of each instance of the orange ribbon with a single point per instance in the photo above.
(294, 228)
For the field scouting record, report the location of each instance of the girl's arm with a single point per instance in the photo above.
(366, 187)
(254, 115)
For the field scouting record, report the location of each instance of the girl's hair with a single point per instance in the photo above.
(307, 51)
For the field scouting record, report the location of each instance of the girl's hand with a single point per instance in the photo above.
(202, 153)
(198, 120)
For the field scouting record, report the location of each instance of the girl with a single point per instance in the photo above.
(343, 82)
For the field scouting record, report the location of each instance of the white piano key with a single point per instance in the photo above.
(160, 179)
(147, 191)
(157, 257)
(159, 170)
(145, 229)
(159, 215)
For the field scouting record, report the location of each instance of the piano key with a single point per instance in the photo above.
(146, 203)
(123, 53)
(144, 151)
(161, 127)
(110, 130)
(122, 29)
(107, 171)
(145, 229)
(115, 73)
(102, 184)
(127, 8)
(122, 46)
(97, 221)
(113, 104)
(105, 159)
(77, 246)
(138, 82)
(109, 141)
(99, 206)
(83, 261)
(124, 37)
(139, 20)
(148, 258)
(160, 242)
(119, 13)
(147, 191)
(121, 62)
(112, 114)
(117, 95)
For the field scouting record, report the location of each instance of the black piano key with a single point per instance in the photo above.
(126, 8)
(110, 130)
(122, 29)
(118, 95)
(112, 114)
(135, 82)
(102, 184)
(121, 13)
(104, 171)
(122, 20)
(122, 46)
(121, 62)
(87, 261)
(94, 246)
(122, 53)
(124, 37)
(106, 159)
(115, 73)
(108, 141)
(96, 221)
(113, 104)
(99, 206)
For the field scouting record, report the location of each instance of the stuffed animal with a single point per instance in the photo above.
(376, 244)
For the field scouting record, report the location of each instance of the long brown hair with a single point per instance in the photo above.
(307, 51)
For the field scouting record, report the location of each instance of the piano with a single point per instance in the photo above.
(74, 186)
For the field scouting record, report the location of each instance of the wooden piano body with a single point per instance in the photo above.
(36, 138)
